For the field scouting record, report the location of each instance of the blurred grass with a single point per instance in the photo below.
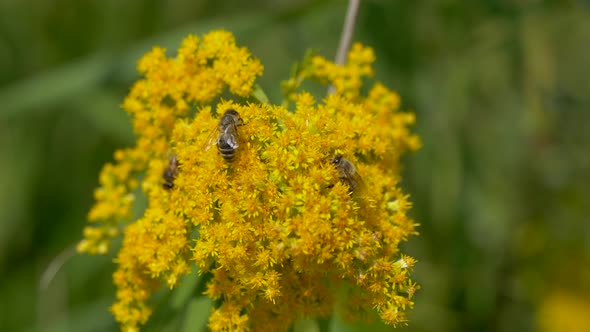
(501, 187)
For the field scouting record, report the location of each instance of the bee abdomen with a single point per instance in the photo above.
(169, 176)
(170, 173)
(226, 150)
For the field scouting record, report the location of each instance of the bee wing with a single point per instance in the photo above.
(231, 141)
(355, 181)
(230, 135)
(212, 139)
(360, 184)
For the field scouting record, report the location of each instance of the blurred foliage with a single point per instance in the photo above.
(501, 187)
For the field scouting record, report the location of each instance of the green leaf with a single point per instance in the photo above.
(197, 315)
(185, 290)
(306, 325)
(259, 94)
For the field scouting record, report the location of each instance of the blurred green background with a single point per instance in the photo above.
(501, 187)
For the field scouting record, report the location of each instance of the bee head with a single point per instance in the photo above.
(336, 160)
(235, 115)
(232, 112)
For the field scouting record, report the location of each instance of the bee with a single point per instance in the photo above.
(347, 172)
(170, 173)
(227, 129)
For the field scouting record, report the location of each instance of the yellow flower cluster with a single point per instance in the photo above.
(278, 229)
(563, 310)
(346, 79)
(200, 72)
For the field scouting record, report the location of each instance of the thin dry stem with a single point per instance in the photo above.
(346, 35)
(55, 266)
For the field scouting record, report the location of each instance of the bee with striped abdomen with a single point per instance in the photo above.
(170, 172)
(227, 134)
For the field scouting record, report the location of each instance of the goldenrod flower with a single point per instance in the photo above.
(278, 229)
(562, 310)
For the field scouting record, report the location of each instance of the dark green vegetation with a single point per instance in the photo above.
(501, 186)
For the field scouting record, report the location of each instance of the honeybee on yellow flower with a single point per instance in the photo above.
(170, 172)
(347, 173)
(227, 134)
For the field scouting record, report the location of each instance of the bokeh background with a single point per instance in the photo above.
(501, 187)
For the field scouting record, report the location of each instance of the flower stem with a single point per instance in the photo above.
(346, 35)
(347, 31)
